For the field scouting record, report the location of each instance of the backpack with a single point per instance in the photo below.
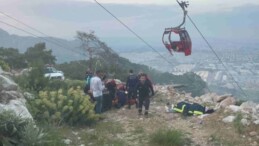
(132, 81)
(87, 83)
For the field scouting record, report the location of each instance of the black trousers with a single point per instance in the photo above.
(143, 101)
(107, 102)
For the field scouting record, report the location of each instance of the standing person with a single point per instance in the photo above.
(97, 87)
(150, 83)
(111, 86)
(108, 94)
(131, 83)
(143, 90)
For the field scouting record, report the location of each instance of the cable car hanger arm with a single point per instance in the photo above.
(183, 5)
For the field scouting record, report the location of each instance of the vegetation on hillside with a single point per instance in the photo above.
(100, 56)
(15, 130)
(71, 107)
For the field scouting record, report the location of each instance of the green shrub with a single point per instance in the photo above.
(22, 132)
(71, 107)
(38, 136)
(34, 81)
(169, 138)
(4, 65)
(65, 85)
(238, 125)
(10, 126)
(31, 135)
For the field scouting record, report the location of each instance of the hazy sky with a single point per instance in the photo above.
(237, 19)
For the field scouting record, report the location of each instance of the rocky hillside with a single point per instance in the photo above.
(229, 125)
(233, 123)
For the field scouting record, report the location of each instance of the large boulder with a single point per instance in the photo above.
(207, 99)
(234, 108)
(228, 101)
(18, 107)
(248, 107)
(7, 84)
(221, 98)
(11, 99)
(6, 96)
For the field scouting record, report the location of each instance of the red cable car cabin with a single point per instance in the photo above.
(183, 45)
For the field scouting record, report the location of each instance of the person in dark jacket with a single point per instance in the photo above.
(131, 83)
(111, 87)
(143, 89)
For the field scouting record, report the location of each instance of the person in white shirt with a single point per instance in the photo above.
(97, 87)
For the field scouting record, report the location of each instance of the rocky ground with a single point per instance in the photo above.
(125, 127)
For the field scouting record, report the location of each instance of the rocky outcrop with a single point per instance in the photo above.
(249, 109)
(7, 84)
(234, 108)
(227, 102)
(18, 107)
(12, 99)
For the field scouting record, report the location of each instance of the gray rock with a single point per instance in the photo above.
(67, 141)
(245, 122)
(6, 96)
(228, 101)
(28, 95)
(234, 108)
(253, 133)
(229, 119)
(248, 106)
(254, 143)
(7, 84)
(221, 98)
(18, 107)
(256, 122)
(207, 99)
(255, 116)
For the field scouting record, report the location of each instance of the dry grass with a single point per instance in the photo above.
(222, 133)
(125, 127)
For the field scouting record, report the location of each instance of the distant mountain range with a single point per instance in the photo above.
(68, 50)
(64, 50)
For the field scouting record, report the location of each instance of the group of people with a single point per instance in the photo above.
(105, 93)
(138, 89)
